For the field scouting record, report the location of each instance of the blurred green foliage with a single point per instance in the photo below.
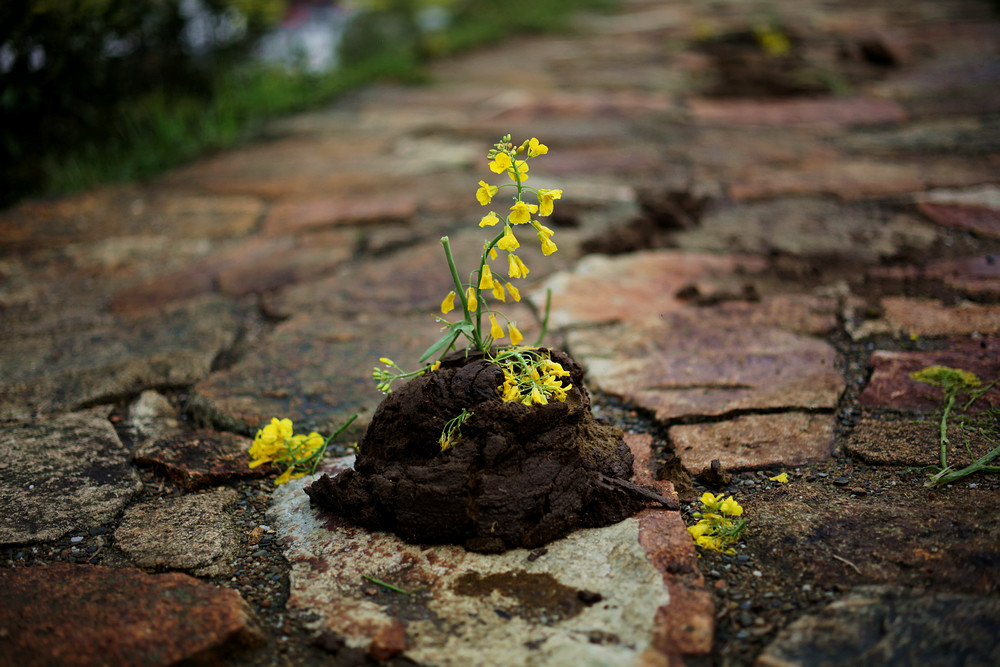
(93, 91)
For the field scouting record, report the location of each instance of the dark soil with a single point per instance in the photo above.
(519, 476)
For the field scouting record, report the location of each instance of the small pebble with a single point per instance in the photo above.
(76, 540)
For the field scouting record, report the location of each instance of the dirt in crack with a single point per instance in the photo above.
(519, 476)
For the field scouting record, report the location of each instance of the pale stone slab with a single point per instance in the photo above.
(603, 596)
(703, 363)
(62, 474)
(193, 533)
(755, 441)
(926, 317)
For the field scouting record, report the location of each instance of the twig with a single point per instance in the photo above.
(844, 560)
(640, 491)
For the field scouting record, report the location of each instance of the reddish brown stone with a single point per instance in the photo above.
(978, 275)
(157, 292)
(848, 179)
(923, 317)
(91, 615)
(892, 388)
(199, 459)
(290, 217)
(755, 441)
(976, 219)
(834, 111)
(389, 641)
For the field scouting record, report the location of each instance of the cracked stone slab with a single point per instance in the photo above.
(200, 458)
(755, 441)
(67, 368)
(194, 533)
(625, 594)
(61, 474)
(700, 363)
(93, 615)
(885, 625)
(892, 388)
(313, 369)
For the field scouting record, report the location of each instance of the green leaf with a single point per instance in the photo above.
(447, 339)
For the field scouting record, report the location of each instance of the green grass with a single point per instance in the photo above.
(157, 132)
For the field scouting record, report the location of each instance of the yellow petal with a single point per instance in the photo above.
(500, 163)
(485, 278)
(496, 331)
(489, 220)
(515, 335)
(470, 298)
(449, 303)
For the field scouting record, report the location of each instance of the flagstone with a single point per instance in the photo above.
(892, 388)
(295, 215)
(193, 533)
(60, 475)
(93, 615)
(197, 459)
(823, 112)
(66, 367)
(700, 363)
(314, 369)
(891, 625)
(976, 275)
(906, 442)
(600, 289)
(626, 594)
(755, 441)
(929, 317)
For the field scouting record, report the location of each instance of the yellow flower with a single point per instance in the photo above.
(509, 241)
(522, 171)
(548, 247)
(486, 278)
(545, 199)
(449, 303)
(498, 292)
(699, 529)
(731, 507)
(486, 192)
(781, 479)
(470, 298)
(500, 163)
(510, 391)
(535, 149)
(496, 331)
(710, 501)
(515, 335)
(285, 476)
(520, 212)
(489, 220)
(514, 292)
(436, 365)
(517, 268)
(537, 397)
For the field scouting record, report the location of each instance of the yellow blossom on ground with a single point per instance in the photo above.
(517, 268)
(449, 303)
(731, 507)
(535, 148)
(545, 199)
(537, 397)
(436, 365)
(496, 331)
(486, 192)
(486, 278)
(781, 479)
(520, 213)
(508, 242)
(489, 220)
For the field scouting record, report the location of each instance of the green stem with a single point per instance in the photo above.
(978, 466)
(949, 402)
(385, 585)
(327, 442)
(476, 340)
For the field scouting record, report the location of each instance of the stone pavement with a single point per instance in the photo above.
(753, 275)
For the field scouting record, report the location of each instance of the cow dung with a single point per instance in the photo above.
(519, 476)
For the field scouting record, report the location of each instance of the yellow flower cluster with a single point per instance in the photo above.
(716, 528)
(531, 377)
(276, 443)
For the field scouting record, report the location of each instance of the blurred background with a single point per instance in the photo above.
(95, 91)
